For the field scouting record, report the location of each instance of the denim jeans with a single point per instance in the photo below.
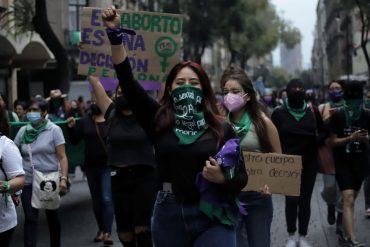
(179, 224)
(331, 193)
(31, 221)
(99, 181)
(254, 229)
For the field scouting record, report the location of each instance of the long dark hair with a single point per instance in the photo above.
(165, 115)
(4, 124)
(252, 107)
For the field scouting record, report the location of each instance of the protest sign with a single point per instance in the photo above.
(152, 51)
(282, 173)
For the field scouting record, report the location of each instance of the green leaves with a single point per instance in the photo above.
(17, 19)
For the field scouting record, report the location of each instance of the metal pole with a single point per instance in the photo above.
(347, 44)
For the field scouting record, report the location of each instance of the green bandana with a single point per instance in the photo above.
(352, 110)
(31, 134)
(189, 119)
(297, 113)
(336, 104)
(367, 103)
(242, 127)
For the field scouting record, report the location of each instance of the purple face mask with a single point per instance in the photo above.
(234, 102)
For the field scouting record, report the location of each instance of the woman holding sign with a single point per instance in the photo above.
(257, 134)
(298, 126)
(186, 131)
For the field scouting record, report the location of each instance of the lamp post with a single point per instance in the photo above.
(347, 47)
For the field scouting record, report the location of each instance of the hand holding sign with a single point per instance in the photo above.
(111, 18)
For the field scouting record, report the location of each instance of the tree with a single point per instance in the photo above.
(25, 20)
(254, 29)
(363, 8)
(278, 77)
(200, 20)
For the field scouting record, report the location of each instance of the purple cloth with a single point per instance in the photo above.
(110, 84)
(229, 157)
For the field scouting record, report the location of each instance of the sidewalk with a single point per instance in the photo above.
(320, 233)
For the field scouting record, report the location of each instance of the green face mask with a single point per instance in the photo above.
(189, 118)
(352, 110)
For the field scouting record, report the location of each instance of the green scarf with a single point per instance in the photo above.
(367, 103)
(338, 104)
(297, 113)
(189, 119)
(241, 127)
(352, 110)
(31, 133)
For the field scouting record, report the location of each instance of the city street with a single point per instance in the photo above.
(79, 227)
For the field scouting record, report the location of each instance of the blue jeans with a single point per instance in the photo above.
(99, 181)
(31, 221)
(175, 223)
(331, 193)
(254, 229)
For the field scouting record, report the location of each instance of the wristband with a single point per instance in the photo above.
(6, 186)
(64, 178)
(115, 34)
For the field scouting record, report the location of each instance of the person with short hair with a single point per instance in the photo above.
(44, 142)
(20, 108)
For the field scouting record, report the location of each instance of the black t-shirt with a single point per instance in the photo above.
(300, 137)
(354, 151)
(128, 144)
(177, 164)
(85, 129)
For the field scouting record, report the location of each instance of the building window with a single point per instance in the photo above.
(75, 12)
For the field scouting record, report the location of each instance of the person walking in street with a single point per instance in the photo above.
(257, 134)
(186, 132)
(301, 129)
(331, 193)
(93, 129)
(133, 170)
(42, 147)
(11, 180)
(350, 141)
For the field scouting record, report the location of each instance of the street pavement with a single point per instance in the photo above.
(79, 227)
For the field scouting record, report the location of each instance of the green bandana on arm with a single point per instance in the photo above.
(31, 134)
(297, 113)
(189, 119)
(241, 127)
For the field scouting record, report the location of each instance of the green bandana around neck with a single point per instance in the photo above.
(336, 104)
(367, 103)
(189, 119)
(241, 127)
(352, 110)
(297, 113)
(31, 134)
